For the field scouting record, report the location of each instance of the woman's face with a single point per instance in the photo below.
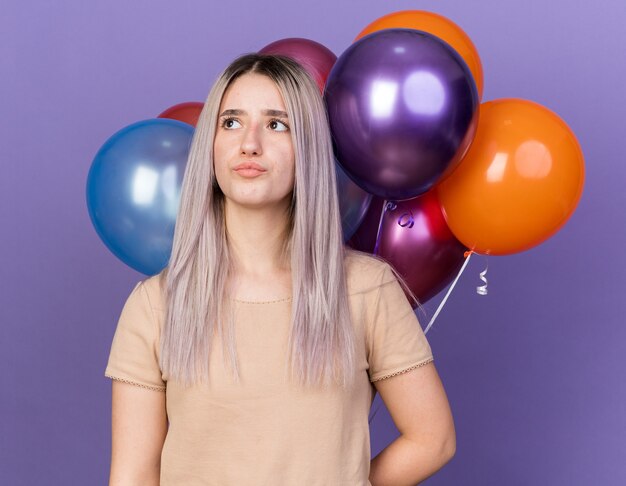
(253, 129)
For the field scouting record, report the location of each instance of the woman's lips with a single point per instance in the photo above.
(248, 173)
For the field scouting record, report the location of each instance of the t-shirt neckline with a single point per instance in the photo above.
(261, 301)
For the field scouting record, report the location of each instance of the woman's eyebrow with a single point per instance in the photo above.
(278, 113)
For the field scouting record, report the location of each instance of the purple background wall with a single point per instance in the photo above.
(534, 371)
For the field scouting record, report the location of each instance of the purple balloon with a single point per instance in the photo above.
(416, 240)
(403, 109)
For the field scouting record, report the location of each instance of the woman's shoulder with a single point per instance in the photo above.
(155, 289)
(364, 271)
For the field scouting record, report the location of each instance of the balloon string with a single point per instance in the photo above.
(391, 206)
(387, 205)
(467, 254)
(369, 420)
(380, 223)
(482, 289)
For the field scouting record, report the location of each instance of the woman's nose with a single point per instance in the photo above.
(251, 143)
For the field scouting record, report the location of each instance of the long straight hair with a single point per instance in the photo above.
(321, 340)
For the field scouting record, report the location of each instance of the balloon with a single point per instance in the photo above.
(313, 56)
(353, 202)
(187, 112)
(364, 238)
(133, 191)
(518, 184)
(415, 239)
(402, 106)
(439, 26)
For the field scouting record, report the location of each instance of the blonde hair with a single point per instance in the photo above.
(321, 340)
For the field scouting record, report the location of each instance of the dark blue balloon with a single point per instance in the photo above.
(403, 109)
(133, 191)
(353, 202)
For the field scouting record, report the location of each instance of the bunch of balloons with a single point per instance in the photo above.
(425, 170)
(450, 175)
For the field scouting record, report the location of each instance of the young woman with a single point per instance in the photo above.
(254, 357)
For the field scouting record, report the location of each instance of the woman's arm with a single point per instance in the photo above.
(418, 405)
(139, 427)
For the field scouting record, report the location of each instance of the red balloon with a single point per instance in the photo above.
(415, 240)
(313, 56)
(187, 112)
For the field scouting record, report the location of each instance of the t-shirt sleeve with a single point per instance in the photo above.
(396, 341)
(133, 357)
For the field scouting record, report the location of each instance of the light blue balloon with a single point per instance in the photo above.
(133, 191)
(353, 202)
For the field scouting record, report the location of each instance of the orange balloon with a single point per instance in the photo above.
(187, 112)
(518, 183)
(439, 26)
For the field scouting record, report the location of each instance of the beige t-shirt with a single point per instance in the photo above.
(265, 431)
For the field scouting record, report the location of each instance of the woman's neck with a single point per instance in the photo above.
(256, 237)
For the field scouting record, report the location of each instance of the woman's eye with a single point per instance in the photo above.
(228, 123)
(279, 126)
